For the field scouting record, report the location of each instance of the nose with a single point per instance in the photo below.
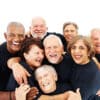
(77, 50)
(16, 38)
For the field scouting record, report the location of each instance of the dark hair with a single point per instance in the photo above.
(28, 42)
(70, 23)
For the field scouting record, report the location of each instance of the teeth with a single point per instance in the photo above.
(78, 56)
(16, 43)
(53, 55)
(46, 84)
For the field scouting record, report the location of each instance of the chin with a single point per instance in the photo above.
(47, 91)
(53, 61)
(77, 62)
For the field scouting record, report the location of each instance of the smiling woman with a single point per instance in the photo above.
(85, 72)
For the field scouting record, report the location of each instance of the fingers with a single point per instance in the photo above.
(98, 93)
(78, 90)
(23, 78)
(21, 92)
(25, 81)
(18, 79)
(20, 75)
(27, 73)
(32, 93)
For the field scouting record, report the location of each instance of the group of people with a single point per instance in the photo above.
(43, 65)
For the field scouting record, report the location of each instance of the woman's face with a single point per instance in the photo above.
(79, 52)
(35, 56)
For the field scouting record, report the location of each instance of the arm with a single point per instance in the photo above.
(69, 95)
(7, 95)
(24, 92)
(97, 62)
(19, 72)
(12, 61)
(74, 95)
(54, 97)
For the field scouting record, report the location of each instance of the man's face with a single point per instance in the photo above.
(38, 28)
(95, 37)
(46, 81)
(53, 50)
(14, 38)
(35, 56)
(69, 32)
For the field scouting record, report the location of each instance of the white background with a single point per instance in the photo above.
(86, 13)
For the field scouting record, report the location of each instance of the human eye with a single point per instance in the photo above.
(72, 30)
(48, 48)
(66, 31)
(20, 35)
(81, 47)
(11, 35)
(73, 47)
(55, 47)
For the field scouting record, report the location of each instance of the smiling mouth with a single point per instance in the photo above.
(16, 43)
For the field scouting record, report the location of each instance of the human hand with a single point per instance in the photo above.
(98, 93)
(75, 95)
(21, 92)
(20, 73)
(32, 93)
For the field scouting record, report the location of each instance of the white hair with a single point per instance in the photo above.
(48, 68)
(52, 36)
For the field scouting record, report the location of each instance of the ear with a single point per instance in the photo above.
(56, 78)
(25, 55)
(5, 35)
(47, 28)
(30, 28)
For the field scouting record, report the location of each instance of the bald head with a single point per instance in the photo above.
(38, 27)
(17, 25)
(38, 20)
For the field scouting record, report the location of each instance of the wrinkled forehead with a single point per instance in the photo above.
(15, 29)
(95, 31)
(52, 41)
(42, 72)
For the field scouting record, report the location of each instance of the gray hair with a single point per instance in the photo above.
(16, 24)
(52, 36)
(48, 68)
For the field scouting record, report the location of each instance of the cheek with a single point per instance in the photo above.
(22, 39)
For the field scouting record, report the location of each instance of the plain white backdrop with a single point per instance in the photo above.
(86, 13)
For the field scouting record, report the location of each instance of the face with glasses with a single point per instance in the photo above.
(69, 32)
(14, 37)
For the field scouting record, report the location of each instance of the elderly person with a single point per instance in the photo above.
(14, 37)
(46, 76)
(95, 38)
(85, 73)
